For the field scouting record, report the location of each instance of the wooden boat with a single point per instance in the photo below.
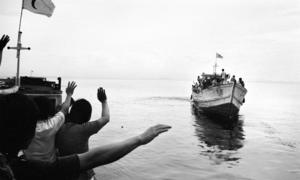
(218, 97)
(33, 87)
(214, 95)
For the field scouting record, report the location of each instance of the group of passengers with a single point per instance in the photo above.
(38, 142)
(207, 81)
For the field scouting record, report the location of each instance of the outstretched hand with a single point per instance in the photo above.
(101, 95)
(152, 133)
(70, 88)
(3, 41)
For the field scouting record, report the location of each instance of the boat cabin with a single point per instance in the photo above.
(36, 86)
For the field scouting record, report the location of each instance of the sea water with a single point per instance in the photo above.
(263, 144)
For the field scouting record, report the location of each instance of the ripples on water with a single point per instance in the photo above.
(220, 139)
(262, 144)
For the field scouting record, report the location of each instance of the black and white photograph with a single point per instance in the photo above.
(149, 89)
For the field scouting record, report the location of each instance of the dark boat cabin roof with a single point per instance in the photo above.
(211, 76)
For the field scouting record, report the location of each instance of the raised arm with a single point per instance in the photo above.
(112, 152)
(105, 117)
(69, 91)
(3, 41)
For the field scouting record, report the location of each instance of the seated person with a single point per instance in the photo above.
(199, 79)
(214, 82)
(208, 82)
(42, 146)
(73, 137)
(204, 82)
(226, 78)
(18, 119)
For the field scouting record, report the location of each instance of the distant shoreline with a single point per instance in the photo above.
(157, 79)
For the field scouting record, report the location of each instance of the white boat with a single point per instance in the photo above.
(224, 99)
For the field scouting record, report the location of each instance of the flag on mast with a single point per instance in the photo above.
(219, 56)
(44, 7)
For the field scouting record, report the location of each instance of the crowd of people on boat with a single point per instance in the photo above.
(39, 141)
(212, 80)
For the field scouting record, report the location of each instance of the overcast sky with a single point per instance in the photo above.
(177, 39)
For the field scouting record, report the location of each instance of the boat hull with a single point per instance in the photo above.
(224, 100)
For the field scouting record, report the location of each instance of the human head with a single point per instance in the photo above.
(46, 109)
(18, 117)
(222, 69)
(80, 112)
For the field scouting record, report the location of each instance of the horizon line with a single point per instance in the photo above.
(162, 78)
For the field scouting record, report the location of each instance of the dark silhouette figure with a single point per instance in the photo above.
(241, 82)
(74, 135)
(18, 119)
(3, 41)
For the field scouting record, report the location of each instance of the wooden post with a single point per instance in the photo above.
(19, 48)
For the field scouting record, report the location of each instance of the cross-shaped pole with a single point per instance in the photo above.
(19, 47)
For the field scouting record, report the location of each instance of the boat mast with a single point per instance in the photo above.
(215, 66)
(19, 47)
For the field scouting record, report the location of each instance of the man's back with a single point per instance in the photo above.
(42, 147)
(73, 138)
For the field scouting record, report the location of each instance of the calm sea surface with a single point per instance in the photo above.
(263, 145)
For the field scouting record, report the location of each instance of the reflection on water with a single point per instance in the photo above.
(218, 139)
